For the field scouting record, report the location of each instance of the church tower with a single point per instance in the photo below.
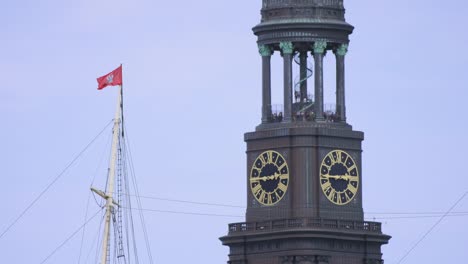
(304, 176)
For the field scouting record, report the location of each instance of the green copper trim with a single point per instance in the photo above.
(304, 21)
(287, 47)
(342, 50)
(265, 50)
(320, 46)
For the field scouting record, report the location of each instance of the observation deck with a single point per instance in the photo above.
(304, 111)
(312, 224)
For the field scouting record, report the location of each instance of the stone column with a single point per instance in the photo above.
(265, 52)
(303, 75)
(340, 82)
(319, 51)
(287, 48)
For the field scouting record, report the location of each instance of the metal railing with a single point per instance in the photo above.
(306, 223)
(304, 112)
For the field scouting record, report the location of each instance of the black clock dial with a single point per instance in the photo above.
(269, 177)
(339, 177)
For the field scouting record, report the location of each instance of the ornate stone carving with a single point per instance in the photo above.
(320, 46)
(301, 13)
(287, 47)
(265, 50)
(342, 50)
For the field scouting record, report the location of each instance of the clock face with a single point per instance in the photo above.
(339, 177)
(269, 178)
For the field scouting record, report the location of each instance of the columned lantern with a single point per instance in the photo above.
(304, 163)
(303, 27)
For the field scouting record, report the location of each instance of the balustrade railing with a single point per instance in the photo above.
(304, 112)
(306, 223)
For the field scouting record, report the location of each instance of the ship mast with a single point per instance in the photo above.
(108, 196)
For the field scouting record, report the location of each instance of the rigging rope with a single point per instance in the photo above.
(118, 224)
(128, 214)
(95, 240)
(99, 241)
(459, 214)
(70, 237)
(135, 187)
(53, 182)
(398, 214)
(432, 228)
(186, 213)
(89, 198)
(84, 229)
(185, 201)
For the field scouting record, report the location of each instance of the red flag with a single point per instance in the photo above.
(112, 78)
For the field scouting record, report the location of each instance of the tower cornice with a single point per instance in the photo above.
(303, 30)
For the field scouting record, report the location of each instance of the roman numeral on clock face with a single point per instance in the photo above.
(339, 177)
(269, 178)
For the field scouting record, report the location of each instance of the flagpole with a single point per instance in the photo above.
(121, 101)
(111, 178)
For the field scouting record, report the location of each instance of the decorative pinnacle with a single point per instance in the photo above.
(320, 46)
(287, 47)
(265, 50)
(342, 50)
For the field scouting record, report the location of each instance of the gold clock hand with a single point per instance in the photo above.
(272, 177)
(338, 177)
(331, 176)
(275, 176)
(266, 178)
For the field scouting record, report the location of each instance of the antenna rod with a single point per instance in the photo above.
(111, 177)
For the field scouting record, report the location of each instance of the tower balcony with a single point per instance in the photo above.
(316, 224)
(304, 111)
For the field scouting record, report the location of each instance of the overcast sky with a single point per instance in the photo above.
(192, 78)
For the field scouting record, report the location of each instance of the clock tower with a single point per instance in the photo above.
(303, 180)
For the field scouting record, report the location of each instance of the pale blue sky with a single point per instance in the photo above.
(192, 88)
